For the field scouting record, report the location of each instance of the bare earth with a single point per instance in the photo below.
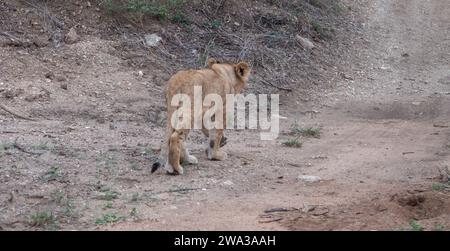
(382, 155)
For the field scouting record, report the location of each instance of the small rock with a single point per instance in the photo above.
(306, 43)
(309, 178)
(72, 36)
(228, 183)
(140, 73)
(152, 40)
(64, 86)
(308, 208)
(49, 75)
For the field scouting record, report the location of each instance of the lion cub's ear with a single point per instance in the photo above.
(211, 61)
(242, 70)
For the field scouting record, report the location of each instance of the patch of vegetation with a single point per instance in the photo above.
(306, 132)
(42, 219)
(133, 212)
(415, 226)
(439, 187)
(439, 227)
(69, 209)
(52, 174)
(58, 196)
(138, 10)
(323, 30)
(180, 18)
(108, 218)
(108, 194)
(214, 24)
(295, 143)
(108, 205)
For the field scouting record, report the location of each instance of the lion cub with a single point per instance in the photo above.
(218, 78)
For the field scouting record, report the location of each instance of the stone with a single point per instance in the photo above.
(306, 43)
(152, 40)
(72, 36)
(309, 178)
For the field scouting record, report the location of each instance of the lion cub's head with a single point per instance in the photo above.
(238, 73)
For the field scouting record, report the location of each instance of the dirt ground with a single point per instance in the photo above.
(383, 155)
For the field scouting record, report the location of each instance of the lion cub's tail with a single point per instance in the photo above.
(173, 145)
(155, 166)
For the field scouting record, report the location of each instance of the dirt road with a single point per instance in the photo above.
(384, 143)
(382, 154)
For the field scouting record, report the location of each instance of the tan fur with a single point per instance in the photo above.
(218, 78)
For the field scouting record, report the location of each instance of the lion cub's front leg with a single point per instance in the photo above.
(214, 152)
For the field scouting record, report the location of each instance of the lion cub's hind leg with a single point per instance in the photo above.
(214, 152)
(186, 157)
(173, 165)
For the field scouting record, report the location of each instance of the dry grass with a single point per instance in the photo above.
(236, 30)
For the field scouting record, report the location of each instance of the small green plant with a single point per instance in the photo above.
(322, 29)
(108, 205)
(133, 212)
(110, 195)
(306, 132)
(69, 209)
(439, 227)
(41, 219)
(416, 226)
(438, 187)
(108, 219)
(138, 10)
(295, 143)
(58, 196)
(180, 18)
(52, 174)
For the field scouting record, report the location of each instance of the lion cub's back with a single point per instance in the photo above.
(184, 81)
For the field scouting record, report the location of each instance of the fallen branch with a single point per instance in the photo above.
(2, 107)
(271, 220)
(179, 190)
(280, 209)
(278, 87)
(11, 37)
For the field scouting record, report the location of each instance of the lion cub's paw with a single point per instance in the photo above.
(219, 155)
(173, 171)
(191, 159)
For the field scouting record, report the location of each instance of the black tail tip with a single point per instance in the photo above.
(155, 166)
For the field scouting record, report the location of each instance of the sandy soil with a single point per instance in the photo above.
(382, 156)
